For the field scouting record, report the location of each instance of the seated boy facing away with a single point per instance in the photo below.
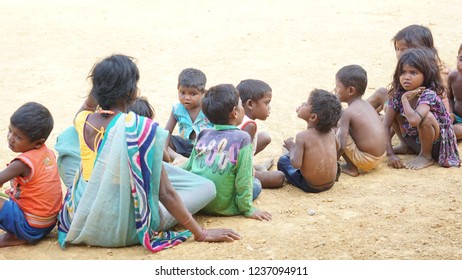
(360, 132)
(455, 95)
(188, 114)
(256, 97)
(35, 195)
(311, 162)
(224, 155)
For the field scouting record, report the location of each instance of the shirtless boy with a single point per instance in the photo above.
(361, 132)
(311, 162)
(455, 95)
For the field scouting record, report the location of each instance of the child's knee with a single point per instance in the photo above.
(264, 138)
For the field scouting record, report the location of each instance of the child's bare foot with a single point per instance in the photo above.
(8, 240)
(265, 166)
(349, 169)
(419, 162)
(268, 163)
(402, 149)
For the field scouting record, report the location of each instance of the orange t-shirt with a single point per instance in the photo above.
(39, 195)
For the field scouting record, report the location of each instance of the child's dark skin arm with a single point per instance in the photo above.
(342, 133)
(169, 155)
(393, 160)
(251, 129)
(14, 169)
(414, 117)
(451, 78)
(296, 150)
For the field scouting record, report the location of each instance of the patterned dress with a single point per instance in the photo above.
(449, 155)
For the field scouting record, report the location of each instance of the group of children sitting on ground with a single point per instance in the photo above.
(218, 138)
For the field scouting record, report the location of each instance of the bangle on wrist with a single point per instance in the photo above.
(189, 220)
(203, 235)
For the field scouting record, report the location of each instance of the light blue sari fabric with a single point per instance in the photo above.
(119, 204)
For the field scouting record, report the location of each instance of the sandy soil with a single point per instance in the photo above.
(48, 48)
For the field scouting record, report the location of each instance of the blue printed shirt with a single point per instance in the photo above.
(185, 124)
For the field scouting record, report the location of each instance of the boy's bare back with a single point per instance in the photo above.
(319, 162)
(365, 127)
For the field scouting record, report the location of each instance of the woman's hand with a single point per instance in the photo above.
(409, 95)
(220, 235)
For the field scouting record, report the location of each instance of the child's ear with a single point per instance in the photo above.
(313, 117)
(351, 90)
(39, 143)
(233, 113)
(249, 103)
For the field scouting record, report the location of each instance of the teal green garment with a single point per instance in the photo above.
(213, 157)
(100, 212)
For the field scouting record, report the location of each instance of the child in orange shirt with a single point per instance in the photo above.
(35, 195)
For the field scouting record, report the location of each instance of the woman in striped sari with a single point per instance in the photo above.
(122, 193)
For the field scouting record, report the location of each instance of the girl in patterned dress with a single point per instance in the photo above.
(416, 104)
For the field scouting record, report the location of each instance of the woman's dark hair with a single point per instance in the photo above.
(113, 79)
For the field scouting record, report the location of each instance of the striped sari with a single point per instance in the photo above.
(119, 205)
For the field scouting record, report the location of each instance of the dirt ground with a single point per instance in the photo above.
(48, 48)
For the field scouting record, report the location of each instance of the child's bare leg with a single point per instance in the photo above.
(349, 168)
(270, 179)
(8, 240)
(458, 130)
(402, 148)
(265, 166)
(263, 140)
(429, 131)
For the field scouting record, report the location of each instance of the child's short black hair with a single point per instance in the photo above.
(252, 89)
(142, 107)
(114, 78)
(34, 120)
(353, 75)
(327, 107)
(192, 78)
(219, 101)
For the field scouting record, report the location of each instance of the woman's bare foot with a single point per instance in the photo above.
(349, 169)
(402, 149)
(419, 162)
(8, 240)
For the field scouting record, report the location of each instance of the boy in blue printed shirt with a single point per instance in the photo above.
(188, 114)
(224, 155)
